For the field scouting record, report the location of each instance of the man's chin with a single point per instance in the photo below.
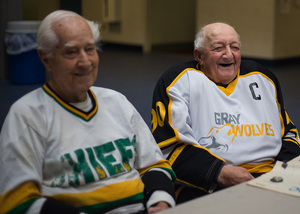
(227, 77)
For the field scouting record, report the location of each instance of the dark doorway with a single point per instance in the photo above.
(73, 5)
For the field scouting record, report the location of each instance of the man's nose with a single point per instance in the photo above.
(228, 52)
(84, 59)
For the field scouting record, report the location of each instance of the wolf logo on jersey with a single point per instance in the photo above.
(210, 142)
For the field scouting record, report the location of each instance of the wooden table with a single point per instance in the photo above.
(241, 199)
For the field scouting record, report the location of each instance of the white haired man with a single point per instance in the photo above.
(69, 147)
(220, 120)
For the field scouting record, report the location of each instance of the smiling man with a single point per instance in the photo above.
(220, 58)
(71, 147)
(220, 120)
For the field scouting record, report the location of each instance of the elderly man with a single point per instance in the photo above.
(69, 147)
(218, 119)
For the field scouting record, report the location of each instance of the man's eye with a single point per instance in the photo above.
(235, 48)
(90, 49)
(219, 48)
(71, 52)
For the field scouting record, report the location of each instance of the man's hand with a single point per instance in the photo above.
(232, 175)
(158, 207)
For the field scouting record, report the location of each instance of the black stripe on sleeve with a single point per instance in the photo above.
(197, 167)
(51, 206)
(156, 180)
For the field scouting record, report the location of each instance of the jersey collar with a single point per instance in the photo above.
(87, 116)
(228, 89)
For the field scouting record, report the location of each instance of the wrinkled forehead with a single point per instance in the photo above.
(221, 33)
(72, 27)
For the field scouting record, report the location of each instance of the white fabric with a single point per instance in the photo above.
(232, 125)
(43, 137)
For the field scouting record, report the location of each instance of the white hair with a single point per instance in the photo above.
(46, 37)
(199, 41)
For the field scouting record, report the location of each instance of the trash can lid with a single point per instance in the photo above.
(22, 26)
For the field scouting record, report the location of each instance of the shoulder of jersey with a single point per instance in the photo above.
(248, 66)
(172, 72)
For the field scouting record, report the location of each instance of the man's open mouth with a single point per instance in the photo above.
(226, 64)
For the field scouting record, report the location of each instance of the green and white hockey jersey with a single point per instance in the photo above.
(91, 160)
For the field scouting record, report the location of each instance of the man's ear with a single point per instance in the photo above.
(197, 55)
(44, 59)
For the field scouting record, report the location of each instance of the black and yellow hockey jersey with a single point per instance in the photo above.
(200, 126)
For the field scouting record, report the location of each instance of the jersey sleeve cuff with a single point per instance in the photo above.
(159, 196)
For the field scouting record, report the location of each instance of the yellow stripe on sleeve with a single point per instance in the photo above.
(259, 168)
(106, 194)
(160, 164)
(18, 196)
